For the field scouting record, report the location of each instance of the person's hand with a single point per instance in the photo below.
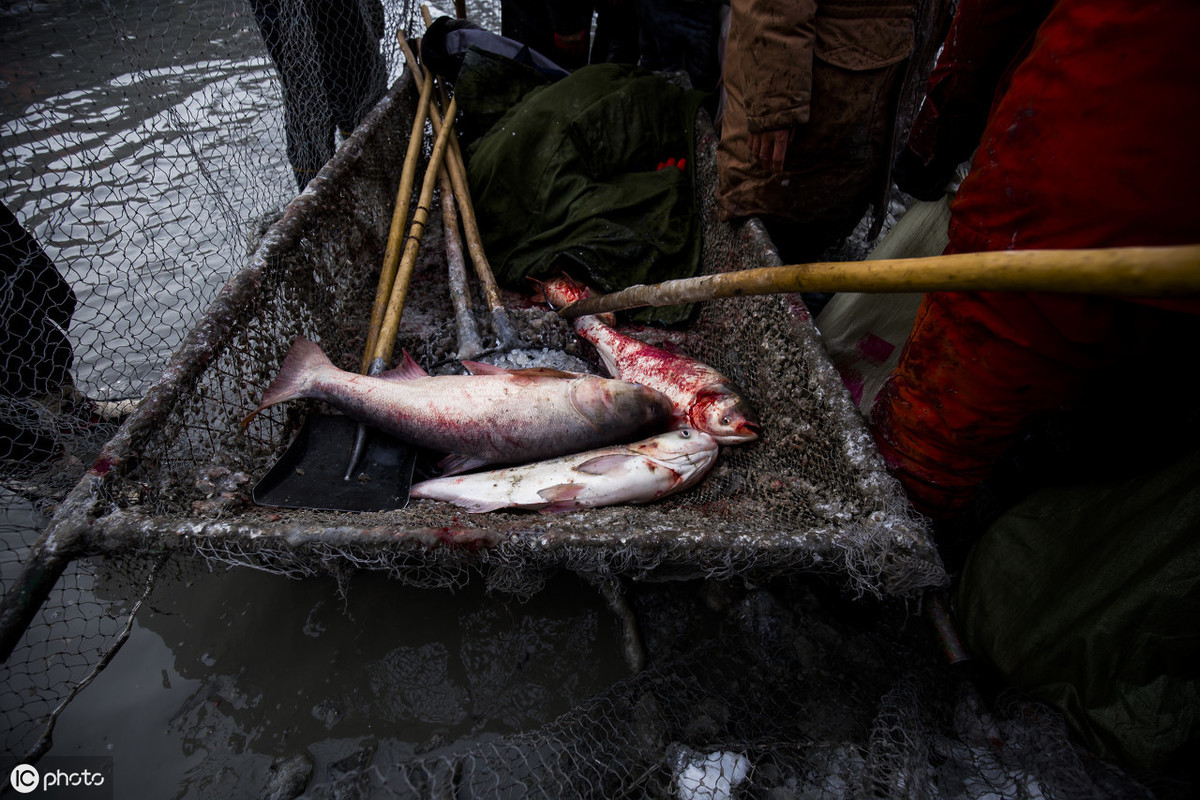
(770, 147)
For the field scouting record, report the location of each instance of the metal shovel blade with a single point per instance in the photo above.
(310, 472)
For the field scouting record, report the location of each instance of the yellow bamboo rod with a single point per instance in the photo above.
(391, 256)
(1130, 271)
(456, 166)
(391, 322)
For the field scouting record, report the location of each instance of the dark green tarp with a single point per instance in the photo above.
(1089, 598)
(569, 180)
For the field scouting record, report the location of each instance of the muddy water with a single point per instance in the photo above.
(142, 143)
(228, 671)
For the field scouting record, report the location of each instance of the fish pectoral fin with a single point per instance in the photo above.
(560, 494)
(610, 362)
(602, 465)
(454, 464)
(561, 498)
(478, 506)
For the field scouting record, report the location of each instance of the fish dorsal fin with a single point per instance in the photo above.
(600, 465)
(455, 463)
(480, 368)
(406, 370)
(546, 372)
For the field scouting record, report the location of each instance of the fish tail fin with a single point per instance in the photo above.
(539, 290)
(456, 464)
(445, 491)
(301, 361)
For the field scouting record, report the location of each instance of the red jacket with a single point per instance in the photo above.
(1092, 142)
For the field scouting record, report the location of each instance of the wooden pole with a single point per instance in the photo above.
(1131, 271)
(391, 321)
(456, 267)
(391, 256)
(502, 326)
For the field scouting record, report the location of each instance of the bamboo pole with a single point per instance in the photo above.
(391, 321)
(391, 256)
(387, 300)
(502, 326)
(1130, 271)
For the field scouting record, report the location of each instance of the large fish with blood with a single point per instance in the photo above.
(702, 397)
(494, 416)
(621, 474)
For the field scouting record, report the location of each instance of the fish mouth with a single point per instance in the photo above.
(748, 425)
(737, 433)
(741, 434)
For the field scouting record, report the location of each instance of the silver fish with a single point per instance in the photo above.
(621, 474)
(492, 416)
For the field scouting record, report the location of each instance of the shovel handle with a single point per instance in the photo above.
(1129, 271)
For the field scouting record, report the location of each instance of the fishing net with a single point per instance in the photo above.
(152, 154)
(812, 494)
(752, 718)
(144, 148)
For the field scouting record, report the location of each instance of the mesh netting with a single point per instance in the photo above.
(812, 494)
(142, 153)
(151, 154)
(780, 691)
(753, 718)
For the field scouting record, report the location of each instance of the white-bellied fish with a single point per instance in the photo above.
(702, 397)
(494, 416)
(619, 474)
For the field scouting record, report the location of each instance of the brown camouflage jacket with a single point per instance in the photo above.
(829, 70)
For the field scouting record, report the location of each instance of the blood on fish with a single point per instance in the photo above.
(702, 398)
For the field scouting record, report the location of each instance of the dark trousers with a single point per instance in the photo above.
(328, 59)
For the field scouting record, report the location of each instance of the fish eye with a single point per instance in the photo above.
(685, 433)
(724, 420)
